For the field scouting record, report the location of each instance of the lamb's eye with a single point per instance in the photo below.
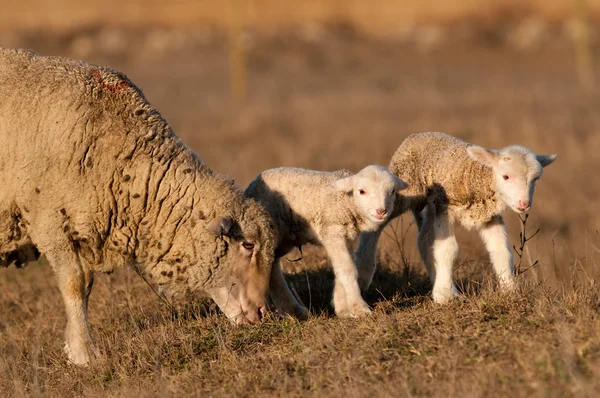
(505, 177)
(361, 191)
(248, 245)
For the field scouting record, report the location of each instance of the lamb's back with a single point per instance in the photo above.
(301, 202)
(437, 163)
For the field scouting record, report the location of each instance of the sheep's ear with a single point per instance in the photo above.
(482, 155)
(343, 184)
(400, 184)
(219, 225)
(546, 160)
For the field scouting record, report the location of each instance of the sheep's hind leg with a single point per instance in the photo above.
(494, 237)
(366, 258)
(347, 300)
(75, 286)
(282, 296)
(444, 251)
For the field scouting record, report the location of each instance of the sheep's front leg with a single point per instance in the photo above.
(347, 300)
(282, 296)
(75, 286)
(494, 237)
(366, 258)
(445, 250)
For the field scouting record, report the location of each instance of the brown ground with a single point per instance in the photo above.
(330, 99)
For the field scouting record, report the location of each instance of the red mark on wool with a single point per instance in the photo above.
(121, 85)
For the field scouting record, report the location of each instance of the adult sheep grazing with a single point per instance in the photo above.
(456, 182)
(94, 178)
(329, 209)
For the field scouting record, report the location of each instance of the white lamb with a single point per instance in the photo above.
(329, 209)
(452, 181)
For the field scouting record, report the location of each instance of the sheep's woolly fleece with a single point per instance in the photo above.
(88, 164)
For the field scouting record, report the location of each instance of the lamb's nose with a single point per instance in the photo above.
(381, 212)
(523, 205)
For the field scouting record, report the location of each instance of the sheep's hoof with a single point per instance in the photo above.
(80, 356)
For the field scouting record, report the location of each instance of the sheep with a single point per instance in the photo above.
(329, 209)
(451, 181)
(94, 179)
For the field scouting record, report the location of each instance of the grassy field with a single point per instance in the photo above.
(328, 100)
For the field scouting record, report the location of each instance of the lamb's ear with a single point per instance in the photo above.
(482, 155)
(546, 160)
(343, 184)
(219, 225)
(400, 184)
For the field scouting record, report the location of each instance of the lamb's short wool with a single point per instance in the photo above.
(330, 209)
(451, 181)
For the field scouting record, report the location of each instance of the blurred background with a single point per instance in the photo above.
(330, 84)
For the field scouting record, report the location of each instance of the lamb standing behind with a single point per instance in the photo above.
(95, 179)
(453, 181)
(329, 209)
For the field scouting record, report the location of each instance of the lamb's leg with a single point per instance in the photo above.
(445, 250)
(75, 285)
(282, 296)
(425, 237)
(366, 258)
(419, 217)
(347, 299)
(496, 242)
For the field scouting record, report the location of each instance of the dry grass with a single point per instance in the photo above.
(538, 342)
(331, 101)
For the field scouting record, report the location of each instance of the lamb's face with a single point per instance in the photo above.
(374, 190)
(516, 170)
(249, 257)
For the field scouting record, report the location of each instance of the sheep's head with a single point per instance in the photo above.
(249, 242)
(516, 170)
(374, 189)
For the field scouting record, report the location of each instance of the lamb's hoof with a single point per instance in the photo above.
(445, 296)
(359, 310)
(364, 285)
(296, 311)
(300, 313)
(508, 285)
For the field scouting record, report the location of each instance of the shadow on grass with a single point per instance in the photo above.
(398, 289)
(315, 288)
